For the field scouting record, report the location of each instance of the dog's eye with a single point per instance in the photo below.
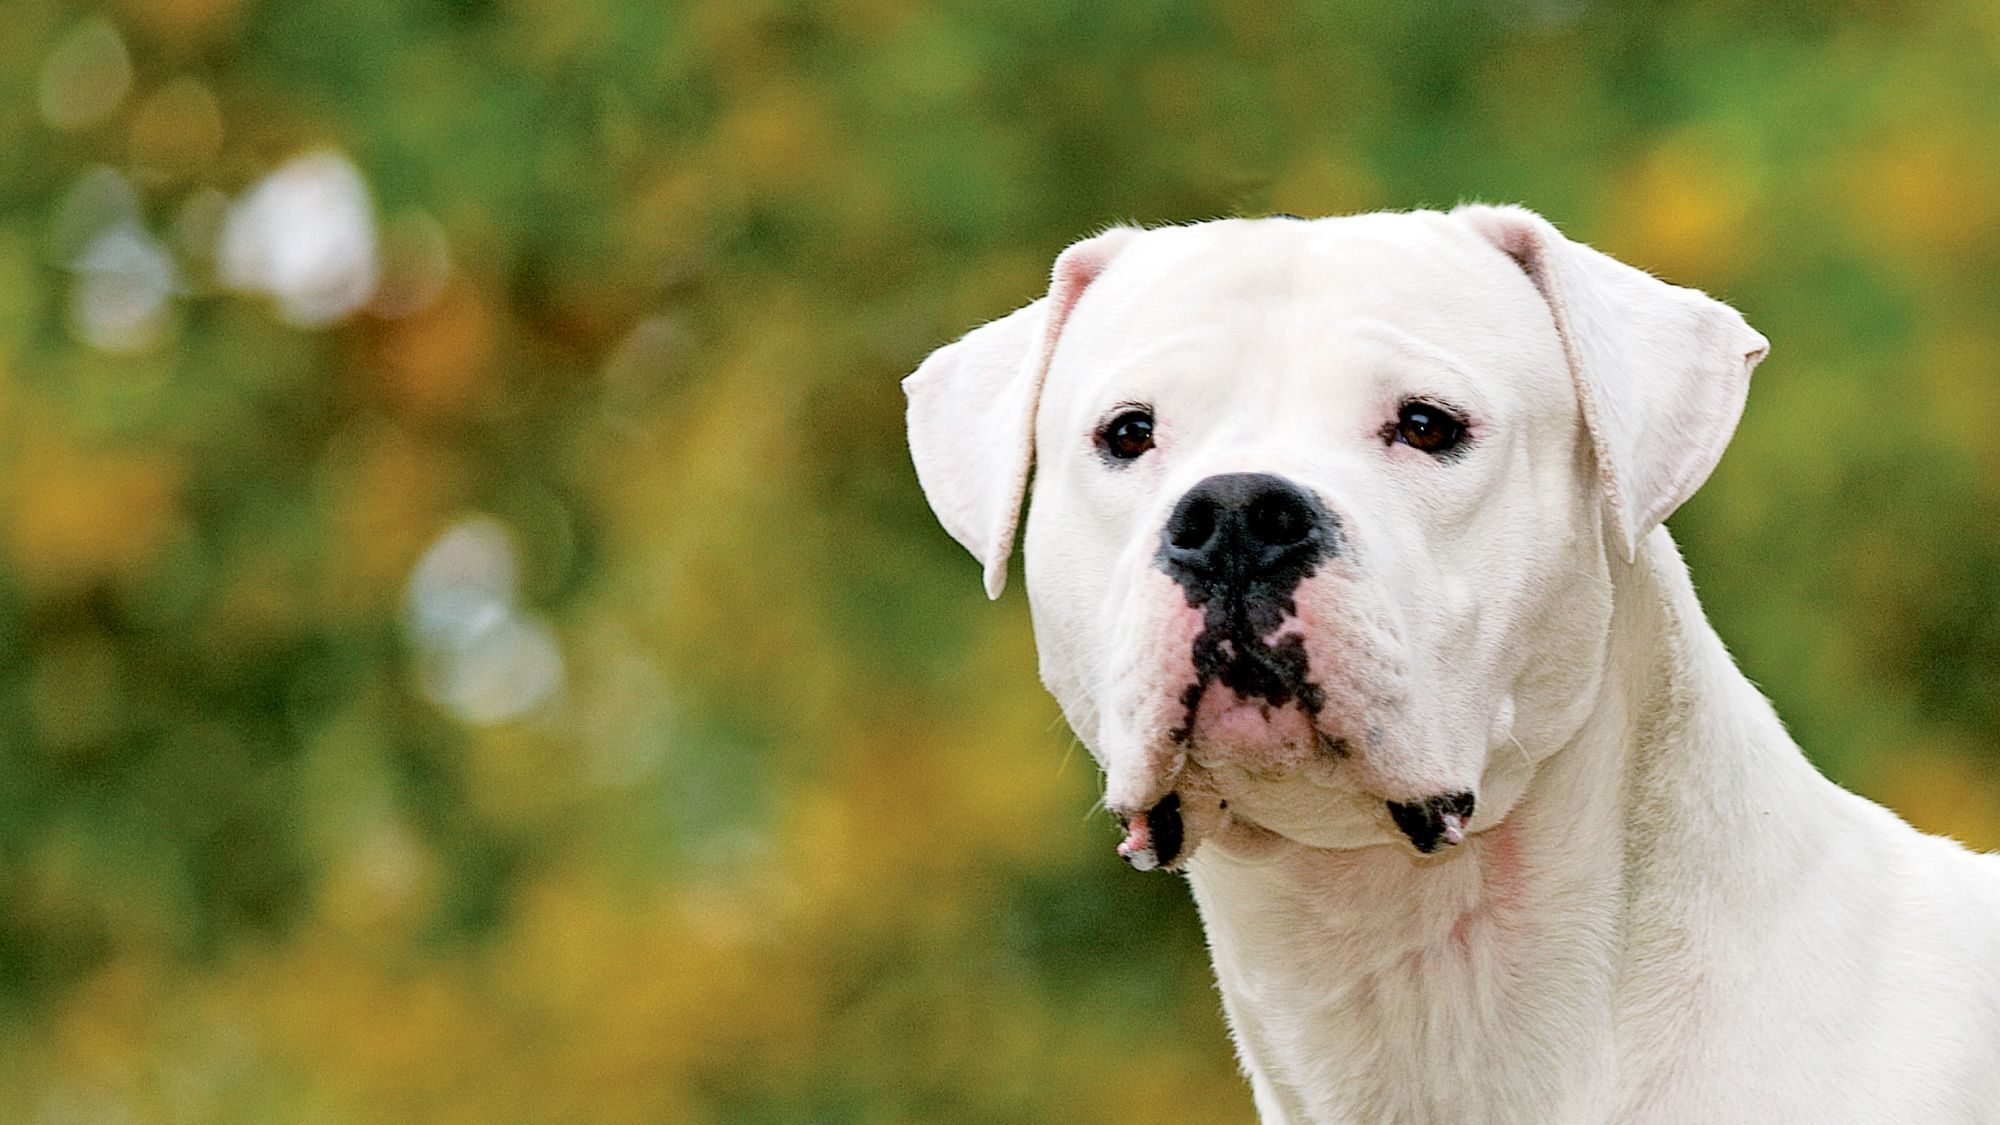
(1428, 427)
(1128, 435)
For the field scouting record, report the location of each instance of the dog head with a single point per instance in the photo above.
(1325, 513)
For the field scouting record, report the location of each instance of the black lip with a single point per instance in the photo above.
(1423, 821)
(1164, 820)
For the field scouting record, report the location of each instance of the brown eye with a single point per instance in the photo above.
(1128, 435)
(1428, 427)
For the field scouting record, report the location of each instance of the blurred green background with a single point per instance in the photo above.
(471, 644)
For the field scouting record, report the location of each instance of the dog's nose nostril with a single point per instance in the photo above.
(1245, 527)
(1280, 519)
(1193, 524)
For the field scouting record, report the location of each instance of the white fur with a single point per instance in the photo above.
(1661, 912)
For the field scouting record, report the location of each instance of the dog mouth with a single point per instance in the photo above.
(1161, 837)
(1276, 731)
(1153, 838)
(1238, 661)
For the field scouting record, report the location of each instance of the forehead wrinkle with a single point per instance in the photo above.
(1123, 372)
(1419, 351)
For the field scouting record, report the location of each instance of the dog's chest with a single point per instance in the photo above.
(1364, 993)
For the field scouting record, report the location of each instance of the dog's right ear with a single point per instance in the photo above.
(972, 410)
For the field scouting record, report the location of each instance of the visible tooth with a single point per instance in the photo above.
(1141, 859)
(1153, 838)
(1137, 846)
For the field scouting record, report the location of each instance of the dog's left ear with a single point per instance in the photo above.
(972, 410)
(1661, 372)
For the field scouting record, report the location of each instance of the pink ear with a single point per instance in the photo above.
(1661, 372)
(972, 410)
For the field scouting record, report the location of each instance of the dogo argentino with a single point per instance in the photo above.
(1345, 560)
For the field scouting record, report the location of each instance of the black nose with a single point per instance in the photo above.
(1240, 528)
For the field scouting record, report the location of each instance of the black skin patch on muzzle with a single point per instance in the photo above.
(1423, 821)
(1245, 589)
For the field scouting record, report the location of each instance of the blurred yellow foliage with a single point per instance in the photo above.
(472, 647)
(77, 515)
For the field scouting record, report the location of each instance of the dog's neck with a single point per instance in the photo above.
(1496, 981)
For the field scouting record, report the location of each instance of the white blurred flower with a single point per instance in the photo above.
(305, 234)
(463, 582)
(481, 656)
(124, 280)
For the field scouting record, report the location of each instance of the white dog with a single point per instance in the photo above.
(1346, 561)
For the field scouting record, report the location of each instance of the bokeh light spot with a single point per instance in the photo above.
(85, 79)
(481, 656)
(176, 131)
(305, 235)
(124, 282)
